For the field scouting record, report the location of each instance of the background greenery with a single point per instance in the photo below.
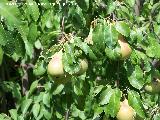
(31, 33)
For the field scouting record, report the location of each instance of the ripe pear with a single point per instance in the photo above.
(55, 66)
(126, 112)
(125, 48)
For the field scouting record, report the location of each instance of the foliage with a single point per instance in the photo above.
(32, 31)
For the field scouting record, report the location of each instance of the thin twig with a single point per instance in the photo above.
(67, 114)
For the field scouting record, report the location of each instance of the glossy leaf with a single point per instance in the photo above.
(33, 9)
(123, 28)
(36, 109)
(13, 113)
(25, 105)
(106, 95)
(114, 103)
(135, 101)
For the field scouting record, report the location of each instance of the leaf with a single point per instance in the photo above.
(131, 2)
(87, 50)
(78, 87)
(81, 115)
(58, 90)
(111, 6)
(1, 55)
(3, 40)
(29, 48)
(105, 35)
(19, 51)
(83, 4)
(98, 89)
(112, 54)
(70, 64)
(157, 117)
(46, 99)
(40, 68)
(38, 45)
(10, 47)
(36, 110)
(47, 113)
(114, 103)
(4, 117)
(77, 17)
(41, 113)
(135, 76)
(10, 12)
(20, 117)
(33, 87)
(135, 102)
(13, 87)
(158, 18)
(97, 111)
(25, 105)
(105, 96)
(24, 30)
(123, 28)
(33, 9)
(13, 113)
(33, 33)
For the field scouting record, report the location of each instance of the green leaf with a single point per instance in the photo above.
(114, 103)
(13, 87)
(83, 4)
(123, 28)
(77, 17)
(40, 68)
(38, 45)
(20, 117)
(4, 117)
(10, 12)
(81, 115)
(24, 30)
(97, 111)
(33, 33)
(111, 6)
(25, 105)
(1, 117)
(36, 109)
(98, 89)
(46, 99)
(112, 54)
(78, 87)
(70, 64)
(47, 113)
(87, 50)
(131, 2)
(104, 35)
(33, 9)
(33, 87)
(11, 43)
(135, 102)
(19, 51)
(105, 96)
(58, 90)
(29, 48)
(13, 113)
(154, 45)
(2, 36)
(135, 76)
(157, 117)
(158, 18)
(1, 55)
